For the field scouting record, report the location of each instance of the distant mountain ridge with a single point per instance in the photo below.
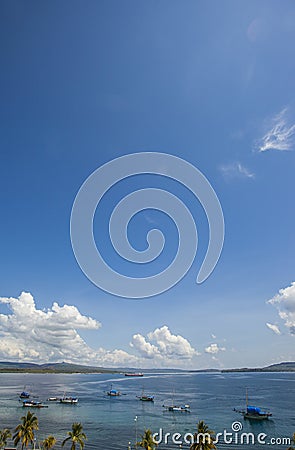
(63, 367)
(279, 367)
(51, 368)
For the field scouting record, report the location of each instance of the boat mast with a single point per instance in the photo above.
(246, 398)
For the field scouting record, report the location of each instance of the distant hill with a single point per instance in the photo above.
(280, 367)
(51, 368)
(17, 367)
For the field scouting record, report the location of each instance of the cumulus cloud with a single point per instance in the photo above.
(30, 334)
(273, 328)
(284, 301)
(145, 349)
(213, 349)
(161, 344)
(280, 135)
(236, 170)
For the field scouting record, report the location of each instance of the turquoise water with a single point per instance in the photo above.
(110, 422)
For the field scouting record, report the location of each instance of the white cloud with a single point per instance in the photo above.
(236, 170)
(144, 348)
(273, 328)
(284, 301)
(213, 349)
(30, 334)
(162, 344)
(280, 136)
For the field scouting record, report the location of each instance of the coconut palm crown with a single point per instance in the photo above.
(24, 432)
(203, 438)
(5, 434)
(147, 441)
(76, 436)
(48, 443)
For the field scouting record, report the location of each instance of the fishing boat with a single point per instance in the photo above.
(113, 392)
(24, 394)
(134, 374)
(253, 412)
(174, 408)
(145, 398)
(33, 404)
(53, 399)
(177, 408)
(69, 400)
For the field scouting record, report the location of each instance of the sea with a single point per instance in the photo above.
(113, 423)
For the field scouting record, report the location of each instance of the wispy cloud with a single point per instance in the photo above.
(280, 136)
(236, 170)
(273, 328)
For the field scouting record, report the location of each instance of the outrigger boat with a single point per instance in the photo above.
(24, 394)
(68, 400)
(113, 392)
(145, 398)
(32, 404)
(253, 412)
(174, 408)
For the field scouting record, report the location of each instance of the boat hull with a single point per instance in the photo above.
(69, 401)
(133, 374)
(257, 416)
(33, 405)
(146, 399)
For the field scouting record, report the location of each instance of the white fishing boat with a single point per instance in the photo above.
(33, 404)
(177, 408)
(68, 400)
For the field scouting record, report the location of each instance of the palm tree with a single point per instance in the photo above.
(4, 435)
(48, 443)
(203, 438)
(147, 441)
(292, 448)
(76, 436)
(24, 432)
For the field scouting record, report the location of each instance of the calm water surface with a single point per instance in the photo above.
(110, 422)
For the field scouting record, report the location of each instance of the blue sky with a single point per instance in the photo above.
(210, 82)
